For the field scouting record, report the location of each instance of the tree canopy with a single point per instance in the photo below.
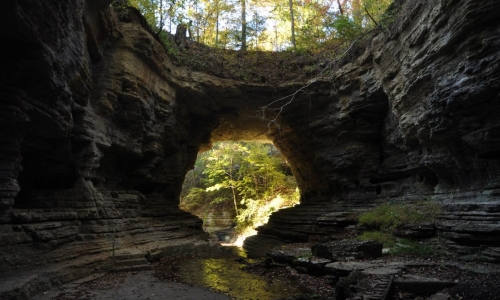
(264, 25)
(251, 179)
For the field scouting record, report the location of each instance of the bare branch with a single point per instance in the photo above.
(369, 15)
(302, 89)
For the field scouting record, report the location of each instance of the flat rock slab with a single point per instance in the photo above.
(311, 266)
(381, 271)
(281, 257)
(345, 268)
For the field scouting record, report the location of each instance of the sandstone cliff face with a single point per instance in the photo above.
(414, 117)
(98, 129)
(93, 141)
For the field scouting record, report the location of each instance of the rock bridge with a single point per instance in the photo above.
(98, 129)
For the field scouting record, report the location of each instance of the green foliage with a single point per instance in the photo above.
(406, 246)
(120, 5)
(219, 23)
(346, 28)
(257, 212)
(195, 198)
(400, 246)
(251, 177)
(385, 218)
(387, 239)
(389, 216)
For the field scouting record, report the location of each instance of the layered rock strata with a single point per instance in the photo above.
(413, 118)
(98, 129)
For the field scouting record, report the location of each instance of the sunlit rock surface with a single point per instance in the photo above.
(98, 129)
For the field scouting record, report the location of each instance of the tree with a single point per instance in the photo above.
(253, 177)
(292, 24)
(256, 28)
(304, 24)
(157, 12)
(223, 168)
(243, 26)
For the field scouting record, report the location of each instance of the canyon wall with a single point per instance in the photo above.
(94, 144)
(98, 129)
(415, 117)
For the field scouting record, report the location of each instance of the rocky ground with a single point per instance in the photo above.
(412, 277)
(128, 286)
(291, 272)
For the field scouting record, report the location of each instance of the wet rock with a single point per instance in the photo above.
(227, 235)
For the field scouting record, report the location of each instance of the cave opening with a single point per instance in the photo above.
(234, 187)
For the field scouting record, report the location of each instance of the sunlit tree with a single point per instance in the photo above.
(250, 176)
(273, 24)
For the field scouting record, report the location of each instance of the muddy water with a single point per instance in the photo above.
(225, 275)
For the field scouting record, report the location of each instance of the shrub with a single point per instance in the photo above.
(194, 199)
(389, 216)
(385, 218)
(387, 239)
(405, 246)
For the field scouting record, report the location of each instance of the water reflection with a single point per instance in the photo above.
(226, 276)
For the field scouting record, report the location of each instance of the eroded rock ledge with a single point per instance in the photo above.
(98, 129)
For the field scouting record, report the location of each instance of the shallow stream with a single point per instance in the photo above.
(226, 275)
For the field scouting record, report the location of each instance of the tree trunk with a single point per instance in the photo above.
(197, 22)
(234, 200)
(180, 35)
(217, 29)
(340, 8)
(160, 24)
(243, 25)
(232, 186)
(290, 3)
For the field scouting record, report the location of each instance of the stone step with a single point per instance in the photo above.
(129, 255)
(131, 262)
(136, 268)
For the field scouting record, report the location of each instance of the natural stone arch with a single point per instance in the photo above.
(407, 118)
(236, 115)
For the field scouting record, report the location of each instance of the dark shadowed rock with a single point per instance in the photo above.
(419, 285)
(416, 231)
(314, 266)
(347, 248)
